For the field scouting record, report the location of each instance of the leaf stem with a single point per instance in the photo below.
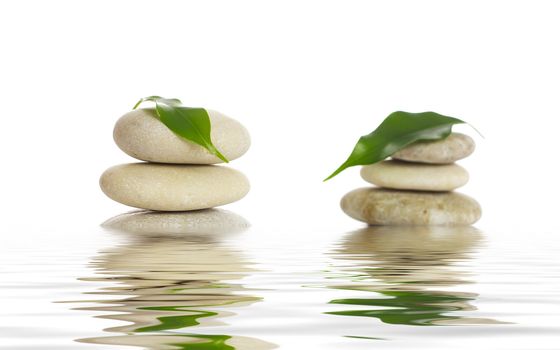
(138, 103)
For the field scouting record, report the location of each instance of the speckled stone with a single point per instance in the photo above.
(377, 206)
(415, 176)
(141, 135)
(451, 149)
(173, 187)
(197, 222)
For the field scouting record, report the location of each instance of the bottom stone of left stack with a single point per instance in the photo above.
(173, 187)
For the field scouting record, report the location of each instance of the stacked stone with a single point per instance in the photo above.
(177, 175)
(416, 187)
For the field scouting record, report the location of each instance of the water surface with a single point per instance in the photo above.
(384, 287)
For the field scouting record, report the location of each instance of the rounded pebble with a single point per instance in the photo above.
(141, 135)
(413, 176)
(378, 206)
(173, 187)
(451, 149)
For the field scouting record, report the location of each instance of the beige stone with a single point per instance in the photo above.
(141, 135)
(173, 187)
(415, 176)
(377, 206)
(196, 222)
(451, 149)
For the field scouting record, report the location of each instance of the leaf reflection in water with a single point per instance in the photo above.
(407, 269)
(174, 277)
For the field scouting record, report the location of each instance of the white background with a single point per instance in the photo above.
(307, 78)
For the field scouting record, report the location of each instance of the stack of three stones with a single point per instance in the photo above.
(415, 188)
(177, 175)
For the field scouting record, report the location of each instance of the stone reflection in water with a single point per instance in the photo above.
(198, 222)
(175, 274)
(407, 269)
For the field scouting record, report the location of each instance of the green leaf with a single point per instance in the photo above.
(192, 124)
(397, 131)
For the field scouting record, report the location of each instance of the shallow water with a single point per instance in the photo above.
(386, 287)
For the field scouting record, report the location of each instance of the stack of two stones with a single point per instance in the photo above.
(177, 175)
(415, 187)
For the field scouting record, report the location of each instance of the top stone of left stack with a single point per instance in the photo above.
(141, 135)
